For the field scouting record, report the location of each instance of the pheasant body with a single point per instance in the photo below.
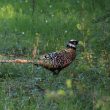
(56, 61)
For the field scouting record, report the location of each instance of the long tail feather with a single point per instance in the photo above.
(22, 61)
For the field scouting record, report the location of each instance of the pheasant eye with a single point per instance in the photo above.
(46, 57)
(75, 43)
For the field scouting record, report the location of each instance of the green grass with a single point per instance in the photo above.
(48, 28)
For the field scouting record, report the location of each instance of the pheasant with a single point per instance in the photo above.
(56, 61)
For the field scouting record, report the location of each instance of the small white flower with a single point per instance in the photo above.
(52, 15)
(46, 21)
(50, 6)
(26, 1)
(66, 31)
(37, 34)
(78, 1)
(23, 33)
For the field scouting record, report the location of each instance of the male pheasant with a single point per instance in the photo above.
(56, 61)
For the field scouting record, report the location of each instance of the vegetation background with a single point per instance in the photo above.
(43, 26)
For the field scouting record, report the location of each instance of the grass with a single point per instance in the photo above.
(48, 28)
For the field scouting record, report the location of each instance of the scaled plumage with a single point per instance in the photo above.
(56, 61)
